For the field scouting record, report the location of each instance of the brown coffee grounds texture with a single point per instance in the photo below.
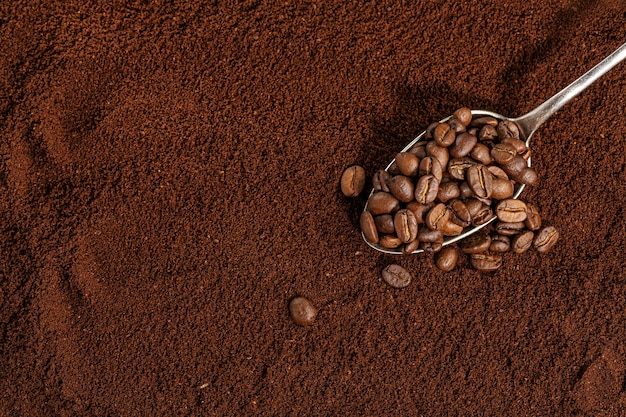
(169, 181)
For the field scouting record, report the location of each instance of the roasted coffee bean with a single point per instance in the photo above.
(419, 210)
(477, 243)
(408, 163)
(533, 218)
(446, 259)
(484, 215)
(448, 191)
(431, 247)
(380, 179)
(487, 133)
(437, 216)
(459, 213)
(515, 167)
(463, 145)
(500, 243)
(522, 242)
(430, 130)
(473, 131)
(396, 276)
(383, 203)
(483, 121)
(393, 169)
(368, 227)
(353, 181)
(444, 135)
(406, 225)
(509, 229)
(302, 311)
(528, 176)
(410, 247)
(480, 180)
(458, 167)
(526, 154)
(507, 129)
(456, 125)
(511, 210)
(503, 153)
(498, 172)
(426, 189)
(546, 239)
(481, 154)
(402, 188)
(384, 224)
(431, 166)
(419, 150)
(390, 241)
(485, 262)
(450, 228)
(464, 115)
(502, 189)
(466, 190)
(518, 144)
(427, 235)
(439, 153)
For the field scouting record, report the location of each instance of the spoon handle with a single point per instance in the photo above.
(535, 118)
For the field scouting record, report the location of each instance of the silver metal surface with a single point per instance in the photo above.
(528, 124)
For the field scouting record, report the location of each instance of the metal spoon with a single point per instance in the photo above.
(527, 124)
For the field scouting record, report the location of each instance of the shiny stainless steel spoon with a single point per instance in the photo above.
(527, 124)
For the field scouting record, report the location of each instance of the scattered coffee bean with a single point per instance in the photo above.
(396, 276)
(479, 242)
(533, 218)
(486, 262)
(511, 210)
(353, 181)
(500, 243)
(509, 229)
(302, 311)
(446, 259)
(546, 239)
(522, 242)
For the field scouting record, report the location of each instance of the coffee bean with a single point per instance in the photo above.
(426, 189)
(393, 169)
(477, 243)
(502, 189)
(408, 163)
(518, 144)
(430, 166)
(546, 239)
(384, 224)
(486, 262)
(450, 228)
(511, 210)
(463, 145)
(528, 176)
(419, 150)
(437, 216)
(439, 153)
(419, 210)
(480, 180)
(390, 241)
(515, 167)
(487, 132)
(533, 218)
(480, 212)
(302, 311)
(464, 115)
(411, 247)
(458, 167)
(448, 191)
(456, 125)
(522, 242)
(481, 154)
(444, 136)
(509, 229)
(353, 181)
(507, 129)
(402, 188)
(503, 153)
(500, 243)
(368, 227)
(405, 225)
(427, 235)
(380, 179)
(497, 172)
(526, 154)
(396, 276)
(459, 213)
(446, 259)
(383, 203)
(483, 121)
(431, 247)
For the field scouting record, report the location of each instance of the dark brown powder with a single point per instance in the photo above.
(169, 181)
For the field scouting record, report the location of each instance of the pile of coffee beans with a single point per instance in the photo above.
(465, 171)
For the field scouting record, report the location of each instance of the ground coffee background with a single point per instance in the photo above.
(169, 180)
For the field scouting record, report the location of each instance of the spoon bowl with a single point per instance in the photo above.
(527, 125)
